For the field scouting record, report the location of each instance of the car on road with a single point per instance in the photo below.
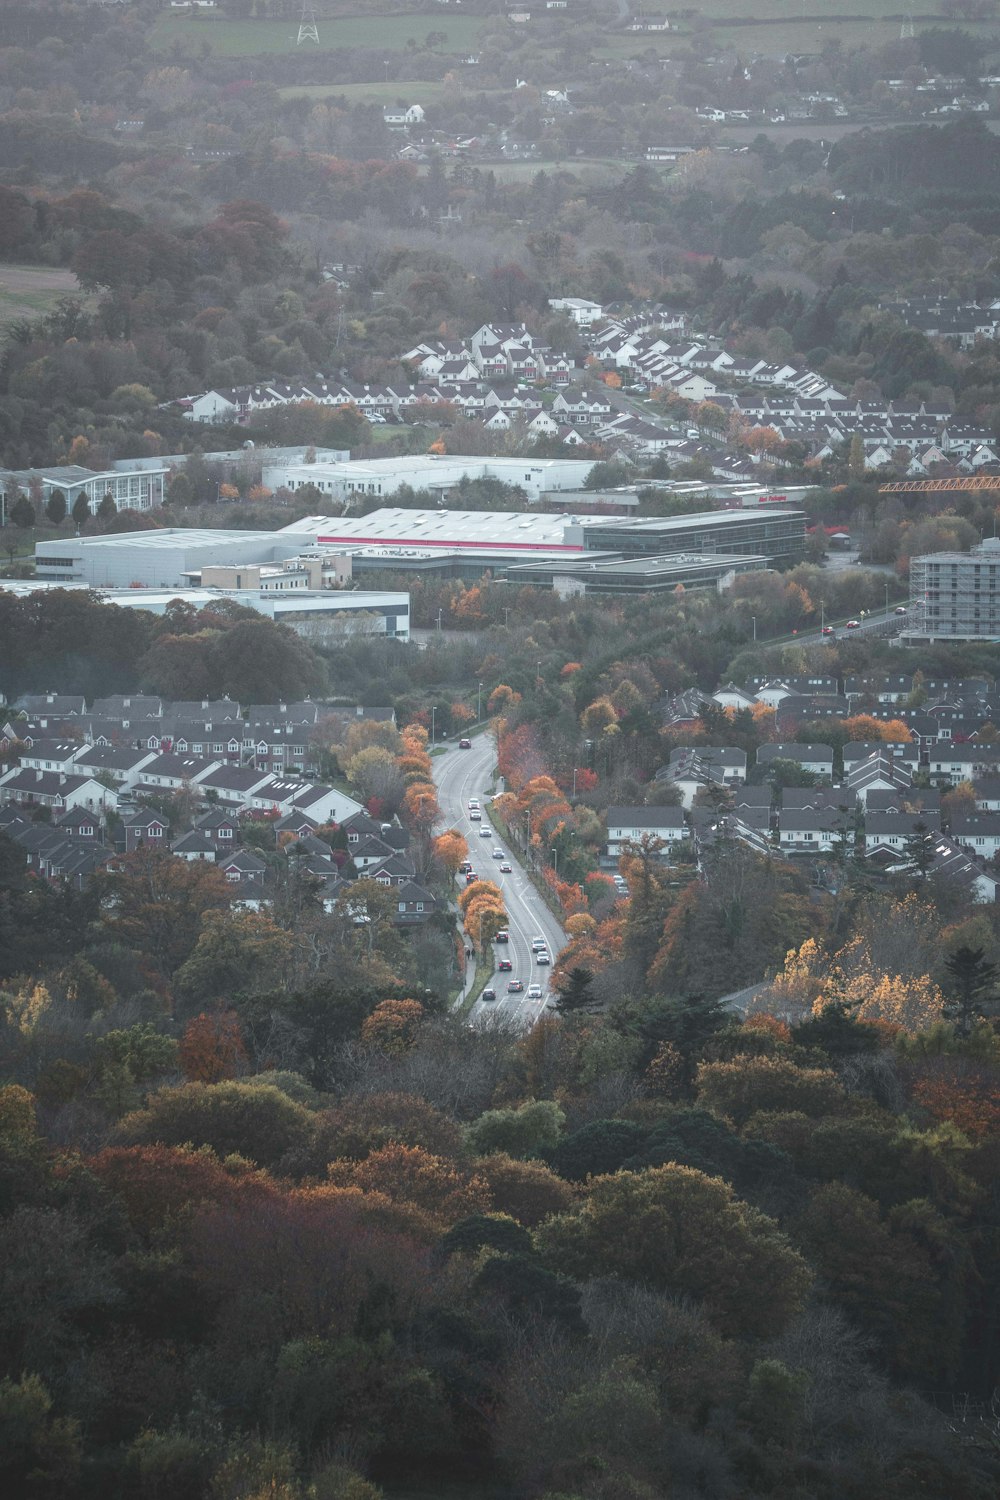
(504, 965)
(489, 993)
(506, 868)
(538, 942)
(475, 816)
(534, 992)
(900, 609)
(465, 744)
(471, 877)
(853, 625)
(503, 936)
(465, 867)
(515, 986)
(542, 957)
(486, 833)
(498, 854)
(828, 630)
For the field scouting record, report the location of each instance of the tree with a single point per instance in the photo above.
(747, 1085)
(676, 1229)
(81, 509)
(158, 904)
(919, 847)
(55, 507)
(252, 1119)
(495, 1230)
(595, 1149)
(22, 512)
(530, 1130)
(526, 1190)
(107, 511)
(409, 1174)
(212, 1047)
(40, 1453)
(392, 1026)
(576, 992)
(971, 987)
(237, 952)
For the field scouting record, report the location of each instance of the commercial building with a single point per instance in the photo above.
(956, 595)
(155, 559)
(321, 616)
(596, 574)
(776, 533)
(130, 486)
(382, 477)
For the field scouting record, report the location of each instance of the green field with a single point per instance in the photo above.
(254, 38)
(790, 35)
(30, 291)
(414, 92)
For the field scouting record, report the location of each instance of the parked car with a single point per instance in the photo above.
(515, 986)
(504, 965)
(534, 992)
(489, 993)
(465, 744)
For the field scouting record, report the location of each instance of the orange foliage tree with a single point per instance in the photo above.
(212, 1047)
(420, 806)
(412, 1175)
(392, 1026)
(450, 849)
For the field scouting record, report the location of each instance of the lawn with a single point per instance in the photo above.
(414, 92)
(389, 33)
(30, 291)
(810, 35)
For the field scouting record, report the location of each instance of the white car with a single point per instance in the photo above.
(534, 992)
(475, 816)
(537, 943)
(486, 833)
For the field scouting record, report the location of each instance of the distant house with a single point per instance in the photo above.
(813, 831)
(817, 759)
(628, 825)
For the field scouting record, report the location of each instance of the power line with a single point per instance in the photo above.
(308, 29)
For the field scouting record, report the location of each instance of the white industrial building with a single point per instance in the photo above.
(155, 559)
(438, 473)
(319, 615)
(130, 486)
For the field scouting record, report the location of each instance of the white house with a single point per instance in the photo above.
(817, 759)
(813, 830)
(979, 832)
(628, 825)
(582, 311)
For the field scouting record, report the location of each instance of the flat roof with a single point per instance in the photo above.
(722, 518)
(503, 530)
(642, 567)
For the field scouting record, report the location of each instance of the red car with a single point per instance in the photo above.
(471, 878)
(853, 625)
(827, 630)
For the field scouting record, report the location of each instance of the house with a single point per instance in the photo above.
(242, 867)
(987, 789)
(319, 802)
(194, 846)
(629, 825)
(62, 705)
(170, 772)
(816, 759)
(879, 772)
(949, 763)
(221, 827)
(583, 312)
(233, 786)
(892, 829)
(814, 830)
(144, 828)
(732, 696)
(953, 863)
(54, 789)
(978, 832)
(51, 755)
(771, 690)
(120, 765)
(905, 751)
(708, 765)
(414, 904)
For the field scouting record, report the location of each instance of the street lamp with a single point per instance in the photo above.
(753, 619)
(555, 860)
(506, 612)
(538, 672)
(574, 783)
(433, 712)
(887, 598)
(479, 704)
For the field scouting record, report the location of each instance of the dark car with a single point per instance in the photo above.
(489, 993)
(465, 868)
(465, 744)
(503, 936)
(515, 986)
(471, 878)
(504, 965)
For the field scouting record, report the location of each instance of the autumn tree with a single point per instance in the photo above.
(252, 1119)
(392, 1026)
(674, 1228)
(412, 1175)
(212, 1047)
(450, 849)
(237, 952)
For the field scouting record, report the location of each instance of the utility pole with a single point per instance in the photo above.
(555, 860)
(479, 704)
(754, 621)
(308, 30)
(440, 613)
(433, 712)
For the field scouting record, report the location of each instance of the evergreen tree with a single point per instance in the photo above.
(55, 508)
(971, 985)
(578, 994)
(81, 509)
(22, 512)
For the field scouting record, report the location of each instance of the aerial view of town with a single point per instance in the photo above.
(499, 750)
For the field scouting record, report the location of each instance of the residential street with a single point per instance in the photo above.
(459, 775)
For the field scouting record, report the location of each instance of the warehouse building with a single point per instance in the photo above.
(382, 477)
(776, 533)
(595, 573)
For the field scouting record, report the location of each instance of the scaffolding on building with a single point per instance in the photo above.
(930, 486)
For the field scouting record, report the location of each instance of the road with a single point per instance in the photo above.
(459, 775)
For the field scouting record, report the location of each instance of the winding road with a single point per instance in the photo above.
(459, 776)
